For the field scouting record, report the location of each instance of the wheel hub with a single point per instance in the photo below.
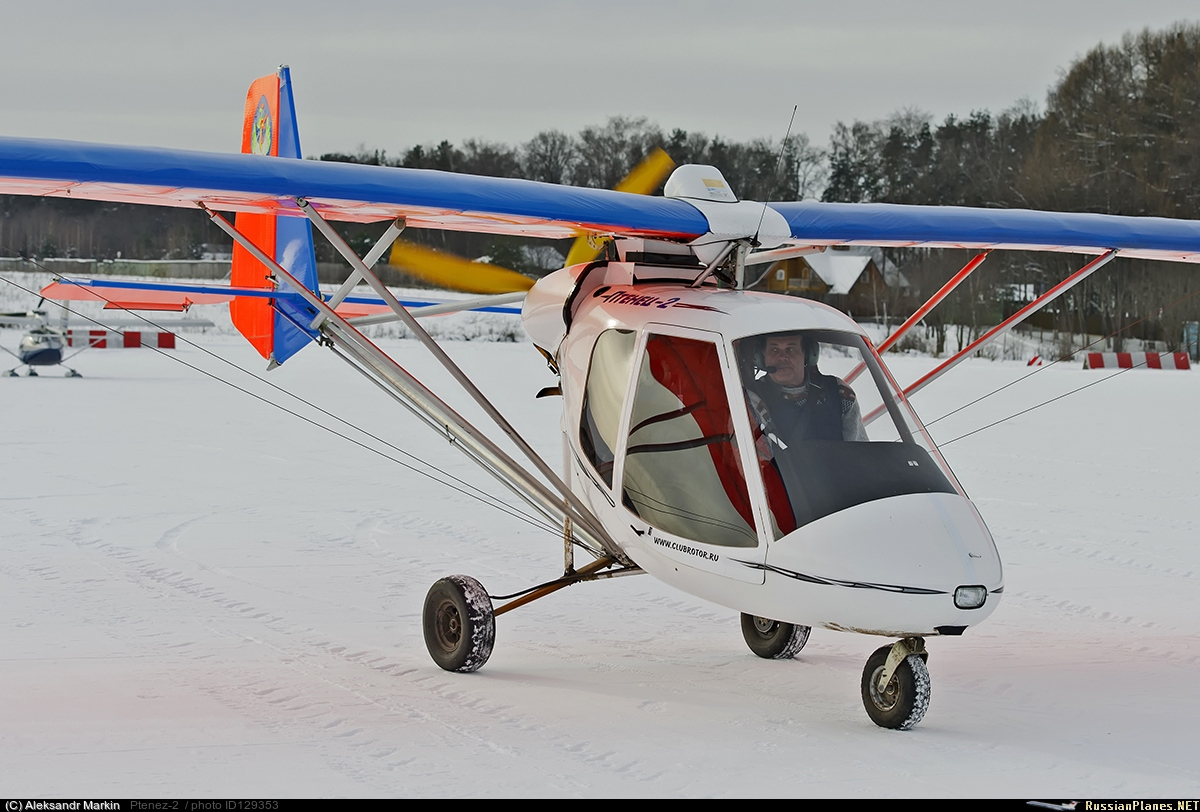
(764, 625)
(448, 625)
(886, 699)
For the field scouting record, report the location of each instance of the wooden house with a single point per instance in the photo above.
(849, 280)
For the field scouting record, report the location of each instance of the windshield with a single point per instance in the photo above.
(829, 429)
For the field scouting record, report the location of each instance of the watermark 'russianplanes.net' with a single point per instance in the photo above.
(1120, 806)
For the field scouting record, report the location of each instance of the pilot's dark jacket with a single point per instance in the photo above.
(822, 408)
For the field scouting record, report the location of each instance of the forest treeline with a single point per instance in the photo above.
(1119, 133)
(600, 156)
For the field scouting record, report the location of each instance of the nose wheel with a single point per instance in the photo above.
(773, 639)
(459, 624)
(895, 684)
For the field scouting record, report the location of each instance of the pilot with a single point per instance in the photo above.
(795, 402)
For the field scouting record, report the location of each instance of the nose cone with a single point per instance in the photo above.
(892, 565)
(542, 311)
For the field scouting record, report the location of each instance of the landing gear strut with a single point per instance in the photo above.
(895, 684)
(460, 622)
(32, 373)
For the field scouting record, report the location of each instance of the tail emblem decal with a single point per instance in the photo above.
(263, 130)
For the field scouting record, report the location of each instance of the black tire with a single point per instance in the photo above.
(460, 628)
(772, 639)
(903, 704)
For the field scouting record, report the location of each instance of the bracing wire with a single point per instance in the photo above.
(461, 487)
(1029, 375)
(1039, 405)
(1036, 370)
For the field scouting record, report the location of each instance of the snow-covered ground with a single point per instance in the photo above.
(200, 594)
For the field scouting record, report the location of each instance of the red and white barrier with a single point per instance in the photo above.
(1144, 360)
(102, 339)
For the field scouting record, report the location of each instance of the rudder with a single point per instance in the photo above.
(277, 328)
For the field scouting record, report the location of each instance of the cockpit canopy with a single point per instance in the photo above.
(673, 420)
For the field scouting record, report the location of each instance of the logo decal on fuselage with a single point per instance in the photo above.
(632, 299)
(263, 129)
(683, 548)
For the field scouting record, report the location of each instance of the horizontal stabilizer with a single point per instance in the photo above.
(161, 295)
(131, 298)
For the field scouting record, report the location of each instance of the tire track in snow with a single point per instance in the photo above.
(300, 649)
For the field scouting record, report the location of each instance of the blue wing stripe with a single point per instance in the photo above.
(889, 223)
(73, 163)
(448, 200)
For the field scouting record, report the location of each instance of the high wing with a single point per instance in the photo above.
(892, 225)
(279, 199)
(348, 192)
(444, 200)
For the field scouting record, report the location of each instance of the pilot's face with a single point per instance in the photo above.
(786, 354)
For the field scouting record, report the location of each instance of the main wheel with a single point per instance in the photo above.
(904, 701)
(772, 639)
(460, 628)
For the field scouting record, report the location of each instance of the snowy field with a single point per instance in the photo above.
(202, 595)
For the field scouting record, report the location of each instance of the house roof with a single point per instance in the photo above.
(838, 269)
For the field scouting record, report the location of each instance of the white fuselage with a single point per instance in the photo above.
(887, 566)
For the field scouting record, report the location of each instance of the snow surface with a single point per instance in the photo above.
(200, 594)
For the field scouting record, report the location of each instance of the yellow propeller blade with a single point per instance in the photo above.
(645, 177)
(641, 180)
(453, 272)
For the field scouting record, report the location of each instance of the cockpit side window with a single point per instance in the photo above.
(604, 399)
(683, 471)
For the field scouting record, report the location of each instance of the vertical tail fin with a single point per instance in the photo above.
(277, 328)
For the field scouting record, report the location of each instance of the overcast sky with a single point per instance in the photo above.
(391, 74)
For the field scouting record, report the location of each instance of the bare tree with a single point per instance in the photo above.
(607, 153)
(549, 156)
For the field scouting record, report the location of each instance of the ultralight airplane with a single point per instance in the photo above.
(748, 448)
(41, 346)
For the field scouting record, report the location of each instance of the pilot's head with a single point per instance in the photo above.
(784, 354)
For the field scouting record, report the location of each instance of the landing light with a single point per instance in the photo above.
(970, 597)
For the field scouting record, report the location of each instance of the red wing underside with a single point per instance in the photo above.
(132, 299)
